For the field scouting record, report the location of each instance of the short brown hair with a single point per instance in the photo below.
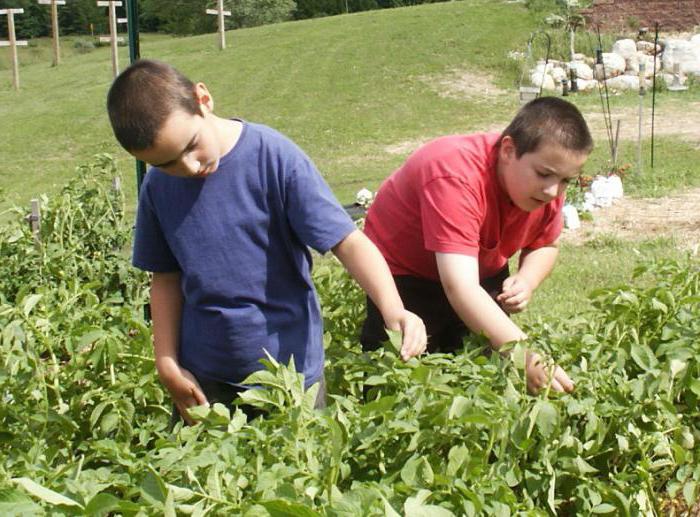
(549, 119)
(142, 97)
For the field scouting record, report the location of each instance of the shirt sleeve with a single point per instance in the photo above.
(313, 212)
(151, 251)
(552, 226)
(451, 214)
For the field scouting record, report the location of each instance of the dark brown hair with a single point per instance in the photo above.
(549, 119)
(141, 99)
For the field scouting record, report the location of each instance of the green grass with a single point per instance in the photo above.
(345, 88)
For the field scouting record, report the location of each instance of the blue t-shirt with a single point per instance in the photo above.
(239, 239)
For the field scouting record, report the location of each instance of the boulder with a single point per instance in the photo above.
(583, 71)
(647, 47)
(538, 78)
(571, 219)
(614, 64)
(559, 74)
(682, 52)
(624, 82)
(626, 48)
(585, 85)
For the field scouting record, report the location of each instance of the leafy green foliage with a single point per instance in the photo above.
(84, 421)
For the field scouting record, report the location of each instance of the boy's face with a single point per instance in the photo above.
(539, 177)
(187, 145)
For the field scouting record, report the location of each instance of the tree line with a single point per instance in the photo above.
(180, 17)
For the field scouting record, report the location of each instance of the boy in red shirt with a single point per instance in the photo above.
(450, 218)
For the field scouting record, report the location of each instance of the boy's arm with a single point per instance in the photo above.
(166, 312)
(367, 266)
(535, 266)
(459, 275)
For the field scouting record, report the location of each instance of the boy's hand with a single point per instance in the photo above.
(413, 333)
(183, 387)
(538, 375)
(516, 294)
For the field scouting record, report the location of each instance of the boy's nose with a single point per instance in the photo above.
(552, 191)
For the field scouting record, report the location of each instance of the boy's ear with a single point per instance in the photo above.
(204, 98)
(507, 150)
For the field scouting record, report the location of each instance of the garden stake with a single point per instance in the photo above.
(528, 93)
(54, 28)
(653, 92)
(219, 11)
(606, 108)
(113, 38)
(642, 92)
(13, 43)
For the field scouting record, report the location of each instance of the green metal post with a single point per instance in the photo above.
(132, 15)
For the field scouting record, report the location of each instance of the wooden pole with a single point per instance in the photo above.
(34, 219)
(13, 43)
(113, 38)
(219, 11)
(54, 28)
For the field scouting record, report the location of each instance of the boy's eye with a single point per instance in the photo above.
(542, 174)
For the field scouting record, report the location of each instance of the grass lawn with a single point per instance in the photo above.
(358, 92)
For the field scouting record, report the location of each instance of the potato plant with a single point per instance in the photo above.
(84, 421)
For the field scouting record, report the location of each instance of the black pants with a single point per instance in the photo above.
(226, 393)
(428, 300)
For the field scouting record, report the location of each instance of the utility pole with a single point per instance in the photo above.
(13, 43)
(219, 11)
(54, 28)
(113, 38)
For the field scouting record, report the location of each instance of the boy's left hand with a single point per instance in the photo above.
(414, 339)
(516, 294)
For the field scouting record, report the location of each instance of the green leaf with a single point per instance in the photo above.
(583, 466)
(689, 492)
(29, 303)
(102, 504)
(460, 405)
(152, 487)
(45, 494)
(603, 508)
(547, 418)
(283, 508)
(198, 412)
(457, 456)
(15, 503)
(395, 339)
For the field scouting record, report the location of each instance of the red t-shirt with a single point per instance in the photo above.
(446, 198)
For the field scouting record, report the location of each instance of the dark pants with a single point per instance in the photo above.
(427, 299)
(226, 393)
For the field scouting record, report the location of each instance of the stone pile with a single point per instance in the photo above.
(621, 66)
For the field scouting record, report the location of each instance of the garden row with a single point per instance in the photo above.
(84, 421)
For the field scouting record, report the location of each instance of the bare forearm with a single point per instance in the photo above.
(166, 311)
(536, 265)
(367, 266)
(481, 314)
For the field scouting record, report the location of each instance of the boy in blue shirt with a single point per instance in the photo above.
(225, 216)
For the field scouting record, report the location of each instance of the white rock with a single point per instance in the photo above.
(558, 74)
(649, 63)
(683, 52)
(615, 186)
(579, 57)
(632, 64)
(571, 219)
(624, 82)
(605, 190)
(364, 197)
(647, 47)
(545, 80)
(625, 47)
(614, 64)
(586, 85)
(540, 67)
(583, 71)
(588, 202)
(695, 40)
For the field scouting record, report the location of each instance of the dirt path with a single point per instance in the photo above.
(676, 217)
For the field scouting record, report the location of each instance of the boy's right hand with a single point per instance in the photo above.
(182, 386)
(414, 339)
(538, 375)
